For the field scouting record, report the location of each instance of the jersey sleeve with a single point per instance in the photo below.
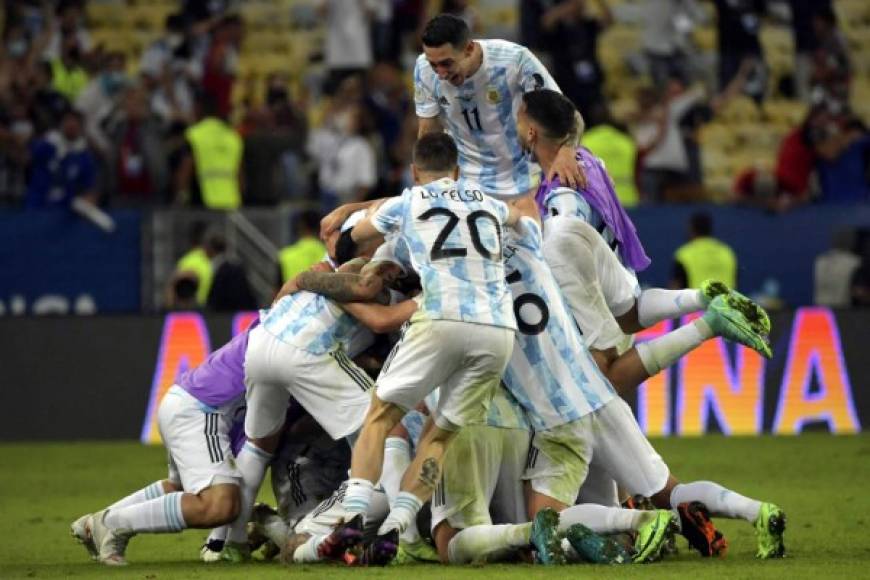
(532, 74)
(568, 202)
(530, 234)
(388, 217)
(425, 103)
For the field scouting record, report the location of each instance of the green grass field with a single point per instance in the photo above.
(821, 481)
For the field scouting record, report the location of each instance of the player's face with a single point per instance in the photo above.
(525, 131)
(449, 63)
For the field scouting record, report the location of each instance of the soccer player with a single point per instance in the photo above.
(460, 338)
(602, 292)
(200, 420)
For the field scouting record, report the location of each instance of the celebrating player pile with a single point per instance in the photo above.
(505, 379)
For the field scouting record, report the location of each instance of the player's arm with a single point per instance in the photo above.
(342, 286)
(379, 318)
(428, 125)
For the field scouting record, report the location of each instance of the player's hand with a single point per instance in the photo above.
(320, 267)
(566, 167)
(333, 221)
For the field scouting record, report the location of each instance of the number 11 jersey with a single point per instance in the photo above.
(453, 232)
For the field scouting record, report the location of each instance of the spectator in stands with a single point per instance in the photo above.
(222, 61)
(790, 184)
(844, 163)
(16, 131)
(210, 171)
(181, 294)
(532, 34)
(306, 251)
(703, 257)
(99, 99)
(46, 105)
(62, 167)
(230, 290)
(163, 52)
(346, 160)
(196, 263)
(738, 27)
(833, 271)
(805, 41)
(66, 29)
(389, 101)
(348, 38)
(67, 70)
(610, 141)
(667, 29)
(137, 169)
(832, 70)
(464, 10)
(573, 37)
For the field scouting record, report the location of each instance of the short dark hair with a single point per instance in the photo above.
(701, 223)
(446, 29)
(345, 248)
(435, 152)
(552, 110)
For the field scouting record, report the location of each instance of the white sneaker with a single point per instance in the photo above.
(111, 544)
(209, 556)
(79, 531)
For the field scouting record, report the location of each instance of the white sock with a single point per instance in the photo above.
(153, 516)
(404, 512)
(719, 500)
(604, 520)
(307, 552)
(358, 495)
(488, 543)
(252, 463)
(657, 304)
(397, 458)
(276, 530)
(660, 353)
(152, 491)
(218, 534)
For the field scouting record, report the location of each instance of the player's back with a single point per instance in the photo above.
(314, 323)
(454, 234)
(551, 372)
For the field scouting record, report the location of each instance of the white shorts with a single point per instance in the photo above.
(559, 460)
(619, 451)
(596, 286)
(323, 519)
(331, 387)
(599, 488)
(480, 482)
(466, 360)
(198, 442)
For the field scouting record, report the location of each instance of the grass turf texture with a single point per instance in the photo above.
(819, 480)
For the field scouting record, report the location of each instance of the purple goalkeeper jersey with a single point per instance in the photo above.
(220, 379)
(601, 196)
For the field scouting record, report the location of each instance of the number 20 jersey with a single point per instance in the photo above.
(453, 233)
(551, 372)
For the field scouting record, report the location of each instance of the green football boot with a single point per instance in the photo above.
(596, 548)
(755, 314)
(728, 322)
(415, 552)
(545, 538)
(653, 536)
(236, 553)
(769, 528)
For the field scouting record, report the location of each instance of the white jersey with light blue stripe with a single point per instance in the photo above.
(551, 372)
(453, 232)
(568, 202)
(314, 323)
(481, 115)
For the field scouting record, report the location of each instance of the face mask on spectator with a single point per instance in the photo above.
(173, 41)
(113, 82)
(16, 48)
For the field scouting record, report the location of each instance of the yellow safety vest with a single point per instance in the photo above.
(619, 154)
(217, 151)
(300, 256)
(68, 81)
(196, 261)
(707, 258)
